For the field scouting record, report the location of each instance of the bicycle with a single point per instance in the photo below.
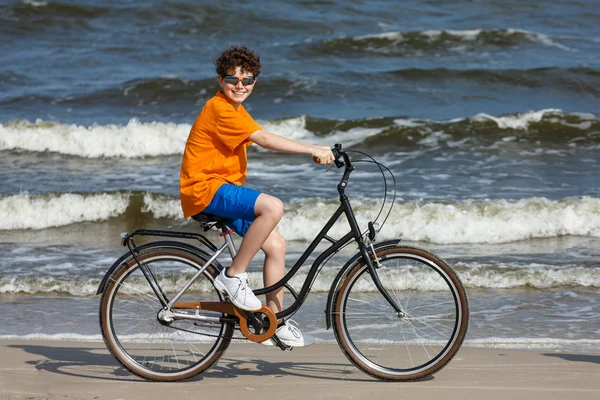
(162, 318)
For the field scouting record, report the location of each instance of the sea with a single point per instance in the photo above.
(487, 113)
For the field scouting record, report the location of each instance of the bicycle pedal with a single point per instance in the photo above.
(280, 344)
(285, 347)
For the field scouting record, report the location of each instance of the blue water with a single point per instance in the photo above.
(486, 112)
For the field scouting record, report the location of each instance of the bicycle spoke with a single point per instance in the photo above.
(409, 344)
(160, 348)
(143, 295)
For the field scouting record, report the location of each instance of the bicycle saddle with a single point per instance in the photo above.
(205, 218)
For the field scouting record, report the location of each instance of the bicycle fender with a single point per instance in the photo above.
(181, 245)
(342, 275)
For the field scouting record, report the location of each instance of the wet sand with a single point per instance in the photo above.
(86, 370)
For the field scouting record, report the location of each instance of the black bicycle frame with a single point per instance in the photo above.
(336, 245)
(355, 233)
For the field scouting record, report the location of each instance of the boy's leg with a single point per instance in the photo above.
(268, 211)
(254, 216)
(274, 269)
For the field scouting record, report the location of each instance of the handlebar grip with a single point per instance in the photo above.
(336, 153)
(337, 156)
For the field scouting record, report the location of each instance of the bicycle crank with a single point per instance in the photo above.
(247, 318)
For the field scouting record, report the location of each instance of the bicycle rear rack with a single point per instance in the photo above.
(127, 238)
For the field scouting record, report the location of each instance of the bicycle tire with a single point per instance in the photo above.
(425, 338)
(132, 331)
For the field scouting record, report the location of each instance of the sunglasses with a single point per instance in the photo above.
(233, 80)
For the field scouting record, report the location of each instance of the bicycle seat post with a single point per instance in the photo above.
(226, 235)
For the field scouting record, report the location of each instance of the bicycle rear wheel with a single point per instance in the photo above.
(147, 345)
(412, 344)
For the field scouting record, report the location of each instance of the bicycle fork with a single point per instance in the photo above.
(375, 277)
(364, 253)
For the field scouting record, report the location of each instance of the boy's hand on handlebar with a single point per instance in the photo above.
(322, 155)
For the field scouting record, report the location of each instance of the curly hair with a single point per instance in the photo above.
(238, 56)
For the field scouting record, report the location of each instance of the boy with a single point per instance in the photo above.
(213, 171)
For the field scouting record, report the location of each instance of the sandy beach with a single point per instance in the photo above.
(86, 370)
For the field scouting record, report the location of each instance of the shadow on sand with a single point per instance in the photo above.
(594, 359)
(98, 363)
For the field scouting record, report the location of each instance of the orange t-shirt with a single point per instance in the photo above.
(215, 153)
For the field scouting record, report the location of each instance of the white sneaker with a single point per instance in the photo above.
(238, 291)
(291, 335)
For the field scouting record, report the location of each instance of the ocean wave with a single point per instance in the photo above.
(132, 140)
(172, 94)
(551, 127)
(417, 43)
(158, 91)
(474, 275)
(33, 7)
(489, 342)
(470, 221)
(23, 211)
(48, 285)
(138, 139)
(542, 128)
(535, 276)
(67, 336)
(297, 129)
(579, 80)
(32, 17)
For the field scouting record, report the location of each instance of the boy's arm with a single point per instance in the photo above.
(274, 142)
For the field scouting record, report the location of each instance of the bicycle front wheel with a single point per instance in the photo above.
(145, 342)
(406, 345)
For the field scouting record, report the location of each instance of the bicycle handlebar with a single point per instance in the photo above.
(338, 154)
(342, 159)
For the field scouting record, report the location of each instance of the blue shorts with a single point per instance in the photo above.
(236, 203)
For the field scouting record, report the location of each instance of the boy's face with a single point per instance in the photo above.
(239, 92)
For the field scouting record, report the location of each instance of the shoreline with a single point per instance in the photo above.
(45, 369)
(591, 346)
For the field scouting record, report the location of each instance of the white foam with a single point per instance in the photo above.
(504, 276)
(515, 121)
(491, 342)
(57, 336)
(432, 34)
(138, 139)
(408, 122)
(35, 3)
(481, 221)
(518, 121)
(48, 284)
(295, 129)
(135, 139)
(538, 276)
(469, 221)
(466, 35)
(469, 35)
(23, 211)
(162, 206)
(540, 38)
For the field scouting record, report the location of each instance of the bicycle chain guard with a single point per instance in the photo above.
(229, 308)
